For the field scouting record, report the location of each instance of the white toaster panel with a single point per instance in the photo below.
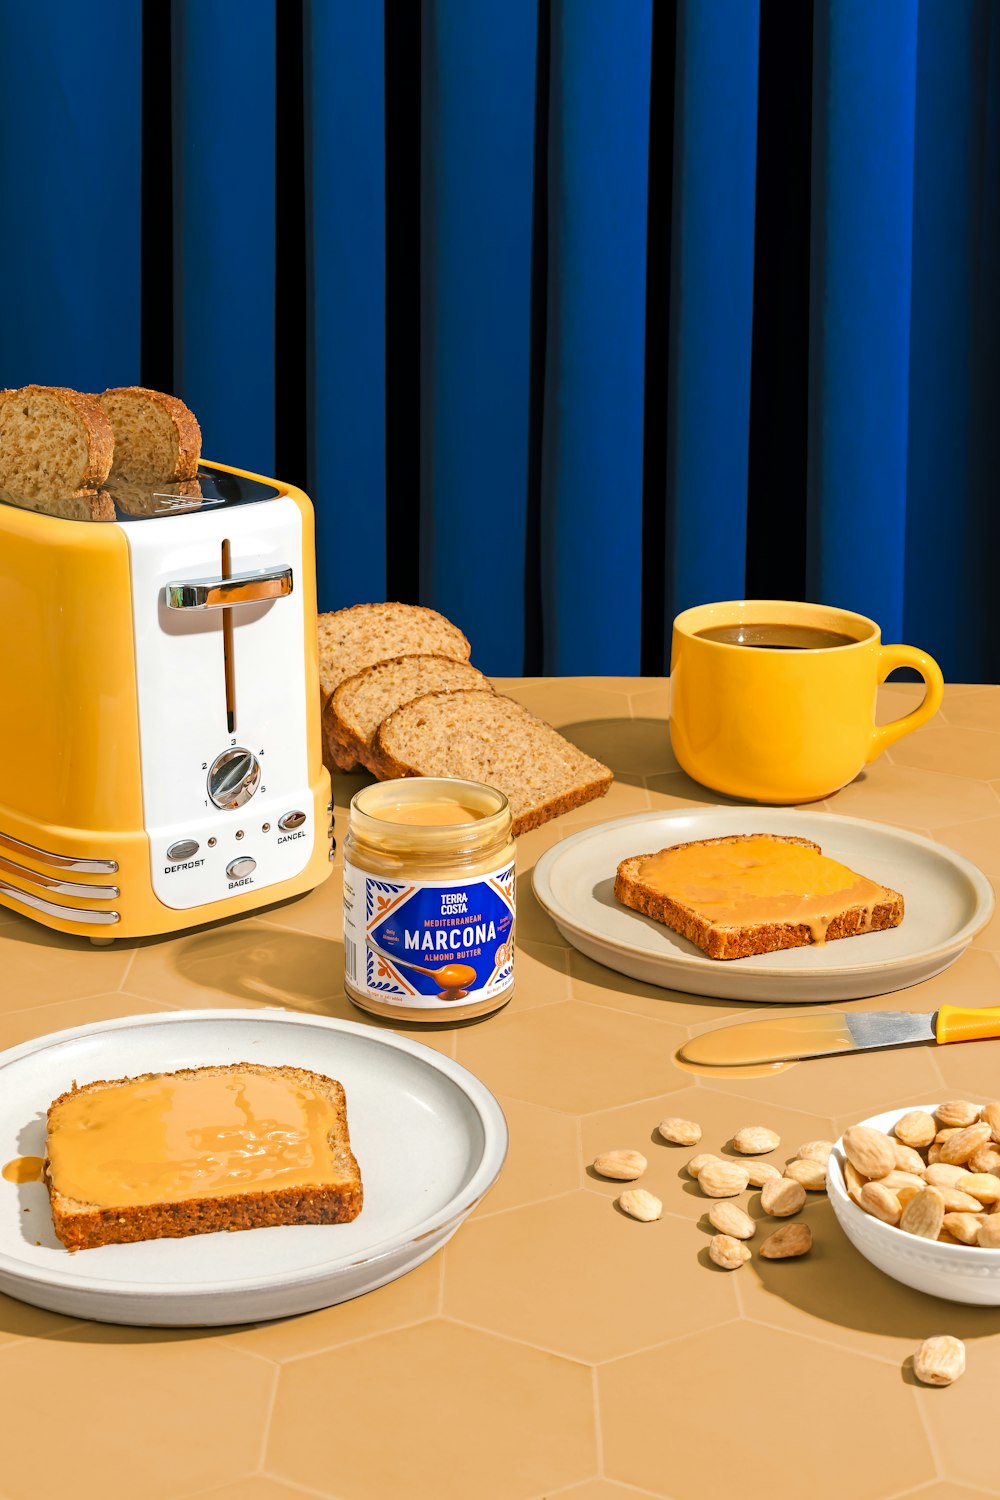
(183, 729)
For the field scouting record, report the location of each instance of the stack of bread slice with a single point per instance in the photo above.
(401, 698)
(67, 452)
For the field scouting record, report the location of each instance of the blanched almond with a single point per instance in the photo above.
(871, 1151)
(989, 1233)
(722, 1179)
(896, 1179)
(854, 1181)
(755, 1140)
(991, 1114)
(917, 1128)
(963, 1227)
(696, 1163)
(957, 1202)
(728, 1218)
(759, 1172)
(909, 1160)
(939, 1361)
(680, 1132)
(815, 1151)
(965, 1143)
(728, 1252)
(811, 1174)
(940, 1174)
(624, 1166)
(639, 1204)
(782, 1198)
(924, 1214)
(985, 1159)
(789, 1240)
(981, 1185)
(957, 1112)
(880, 1201)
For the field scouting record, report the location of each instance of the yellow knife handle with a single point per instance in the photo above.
(958, 1023)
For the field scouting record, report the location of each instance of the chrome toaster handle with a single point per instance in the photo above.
(224, 593)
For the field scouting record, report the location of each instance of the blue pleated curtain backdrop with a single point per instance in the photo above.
(568, 313)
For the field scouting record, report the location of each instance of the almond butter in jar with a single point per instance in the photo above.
(429, 900)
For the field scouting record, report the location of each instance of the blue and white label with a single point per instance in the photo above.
(426, 945)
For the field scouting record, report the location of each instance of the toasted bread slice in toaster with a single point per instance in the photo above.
(157, 438)
(54, 442)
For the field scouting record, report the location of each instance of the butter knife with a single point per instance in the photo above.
(790, 1038)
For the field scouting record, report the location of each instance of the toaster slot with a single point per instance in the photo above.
(229, 663)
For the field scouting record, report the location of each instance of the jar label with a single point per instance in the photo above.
(424, 945)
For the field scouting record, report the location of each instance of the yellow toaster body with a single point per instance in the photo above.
(160, 752)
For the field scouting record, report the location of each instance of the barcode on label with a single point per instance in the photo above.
(350, 957)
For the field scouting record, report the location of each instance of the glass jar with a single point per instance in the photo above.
(429, 899)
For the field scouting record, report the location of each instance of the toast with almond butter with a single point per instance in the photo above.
(745, 894)
(166, 1155)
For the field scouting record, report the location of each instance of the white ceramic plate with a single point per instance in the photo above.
(430, 1139)
(947, 900)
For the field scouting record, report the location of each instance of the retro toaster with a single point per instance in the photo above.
(160, 753)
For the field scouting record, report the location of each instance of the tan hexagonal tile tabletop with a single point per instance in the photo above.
(556, 1346)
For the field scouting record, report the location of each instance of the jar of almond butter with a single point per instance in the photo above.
(429, 900)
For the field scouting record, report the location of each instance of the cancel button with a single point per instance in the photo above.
(240, 868)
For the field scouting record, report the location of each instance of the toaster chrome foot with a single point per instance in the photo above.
(102, 941)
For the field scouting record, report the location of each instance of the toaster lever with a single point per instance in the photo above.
(225, 593)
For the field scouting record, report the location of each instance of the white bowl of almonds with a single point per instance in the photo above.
(917, 1192)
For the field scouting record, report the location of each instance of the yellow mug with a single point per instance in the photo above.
(784, 725)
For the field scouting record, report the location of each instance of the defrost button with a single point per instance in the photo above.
(238, 869)
(183, 849)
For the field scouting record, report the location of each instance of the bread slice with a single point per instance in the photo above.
(351, 639)
(85, 505)
(359, 705)
(487, 737)
(86, 1125)
(53, 442)
(157, 437)
(860, 906)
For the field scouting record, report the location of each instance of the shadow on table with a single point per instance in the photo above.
(835, 1284)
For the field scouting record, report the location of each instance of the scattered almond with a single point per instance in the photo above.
(755, 1140)
(624, 1166)
(871, 1151)
(696, 1163)
(939, 1361)
(811, 1174)
(917, 1128)
(815, 1151)
(639, 1204)
(722, 1179)
(789, 1240)
(727, 1252)
(924, 1214)
(782, 1198)
(680, 1132)
(759, 1172)
(728, 1218)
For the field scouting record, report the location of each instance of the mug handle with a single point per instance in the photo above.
(891, 657)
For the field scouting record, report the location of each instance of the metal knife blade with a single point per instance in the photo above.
(820, 1034)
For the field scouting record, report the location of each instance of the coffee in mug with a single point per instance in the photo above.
(774, 700)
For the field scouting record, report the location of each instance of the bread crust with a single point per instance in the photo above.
(88, 1226)
(722, 942)
(347, 744)
(97, 429)
(185, 425)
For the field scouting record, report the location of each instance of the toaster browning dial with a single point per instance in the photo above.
(233, 777)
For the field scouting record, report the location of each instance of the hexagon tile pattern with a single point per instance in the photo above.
(555, 1347)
